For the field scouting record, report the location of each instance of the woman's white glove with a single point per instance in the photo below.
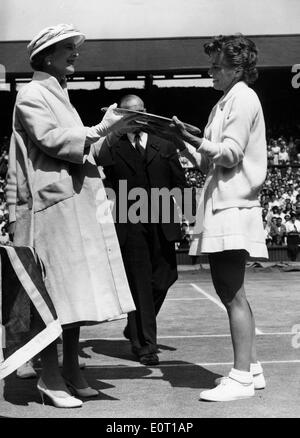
(119, 124)
(112, 121)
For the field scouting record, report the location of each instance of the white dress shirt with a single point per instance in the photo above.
(143, 138)
(292, 226)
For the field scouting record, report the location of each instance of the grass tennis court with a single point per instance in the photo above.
(195, 348)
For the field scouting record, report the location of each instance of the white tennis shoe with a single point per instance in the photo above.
(258, 380)
(228, 390)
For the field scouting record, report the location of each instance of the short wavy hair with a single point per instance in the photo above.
(37, 62)
(238, 51)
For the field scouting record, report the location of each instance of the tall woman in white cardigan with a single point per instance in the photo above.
(229, 224)
(53, 191)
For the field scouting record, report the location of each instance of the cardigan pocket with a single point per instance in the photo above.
(53, 193)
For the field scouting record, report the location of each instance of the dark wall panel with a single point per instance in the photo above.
(175, 55)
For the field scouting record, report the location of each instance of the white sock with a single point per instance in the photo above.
(256, 368)
(244, 377)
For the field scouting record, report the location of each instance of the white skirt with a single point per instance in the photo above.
(231, 228)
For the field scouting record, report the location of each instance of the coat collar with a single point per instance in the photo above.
(59, 90)
(222, 102)
(126, 151)
(50, 82)
(232, 92)
(152, 149)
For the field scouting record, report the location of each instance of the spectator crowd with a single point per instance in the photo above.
(4, 145)
(279, 196)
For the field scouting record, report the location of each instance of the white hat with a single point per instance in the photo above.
(51, 35)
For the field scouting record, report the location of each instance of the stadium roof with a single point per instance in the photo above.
(166, 56)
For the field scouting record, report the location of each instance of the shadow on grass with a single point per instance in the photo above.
(178, 373)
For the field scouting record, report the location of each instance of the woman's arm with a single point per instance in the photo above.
(196, 158)
(188, 144)
(70, 144)
(235, 133)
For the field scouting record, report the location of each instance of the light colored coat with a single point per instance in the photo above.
(56, 196)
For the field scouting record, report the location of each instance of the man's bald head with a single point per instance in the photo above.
(132, 102)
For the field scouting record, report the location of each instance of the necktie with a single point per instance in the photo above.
(138, 146)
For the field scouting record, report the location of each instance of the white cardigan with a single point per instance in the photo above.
(233, 151)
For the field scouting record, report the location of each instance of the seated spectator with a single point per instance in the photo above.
(269, 155)
(275, 150)
(274, 202)
(284, 194)
(292, 188)
(296, 205)
(293, 237)
(281, 235)
(265, 213)
(272, 227)
(283, 156)
(288, 208)
(267, 233)
(268, 182)
(185, 236)
(274, 212)
(281, 201)
(263, 198)
(277, 231)
(265, 206)
(293, 225)
(290, 195)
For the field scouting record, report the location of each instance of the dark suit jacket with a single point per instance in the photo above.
(163, 170)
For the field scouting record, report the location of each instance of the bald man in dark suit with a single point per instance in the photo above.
(145, 162)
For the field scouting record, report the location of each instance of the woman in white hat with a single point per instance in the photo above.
(54, 194)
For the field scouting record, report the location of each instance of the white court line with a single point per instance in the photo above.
(218, 303)
(181, 365)
(208, 296)
(188, 336)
